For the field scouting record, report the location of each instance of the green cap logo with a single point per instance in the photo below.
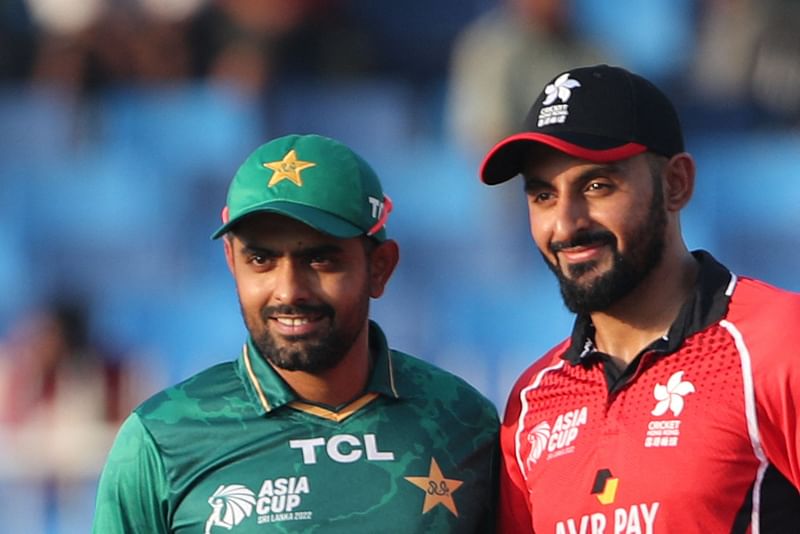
(288, 169)
(314, 179)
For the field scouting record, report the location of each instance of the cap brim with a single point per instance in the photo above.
(507, 158)
(313, 217)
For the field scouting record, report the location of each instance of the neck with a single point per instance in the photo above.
(647, 313)
(336, 386)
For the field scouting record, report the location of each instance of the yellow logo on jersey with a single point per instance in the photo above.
(605, 486)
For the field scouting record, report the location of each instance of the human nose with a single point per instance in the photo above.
(571, 217)
(291, 283)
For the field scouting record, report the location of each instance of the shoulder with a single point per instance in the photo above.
(419, 379)
(750, 292)
(551, 363)
(187, 422)
(765, 320)
(757, 306)
(194, 397)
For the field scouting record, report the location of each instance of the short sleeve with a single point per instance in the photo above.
(132, 492)
(514, 514)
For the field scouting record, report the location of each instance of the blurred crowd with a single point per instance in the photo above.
(63, 392)
(739, 59)
(727, 63)
(86, 45)
(89, 45)
(473, 67)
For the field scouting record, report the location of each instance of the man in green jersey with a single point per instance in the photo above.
(318, 426)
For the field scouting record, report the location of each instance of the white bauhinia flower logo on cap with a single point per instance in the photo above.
(670, 396)
(561, 88)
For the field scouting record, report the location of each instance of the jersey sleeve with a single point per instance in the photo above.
(132, 492)
(777, 381)
(514, 514)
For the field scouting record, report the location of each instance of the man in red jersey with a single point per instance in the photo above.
(672, 407)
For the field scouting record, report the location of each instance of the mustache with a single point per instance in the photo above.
(323, 310)
(596, 237)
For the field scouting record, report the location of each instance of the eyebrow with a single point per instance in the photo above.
(326, 248)
(604, 169)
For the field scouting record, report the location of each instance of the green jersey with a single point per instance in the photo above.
(234, 450)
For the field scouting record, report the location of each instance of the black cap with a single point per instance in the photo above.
(598, 113)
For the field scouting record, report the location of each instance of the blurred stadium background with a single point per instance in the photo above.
(124, 120)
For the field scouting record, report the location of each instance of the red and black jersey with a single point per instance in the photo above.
(698, 434)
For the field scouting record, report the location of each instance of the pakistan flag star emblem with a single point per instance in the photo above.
(287, 169)
(437, 488)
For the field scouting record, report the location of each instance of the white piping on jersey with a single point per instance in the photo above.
(731, 285)
(524, 409)
(752, 420)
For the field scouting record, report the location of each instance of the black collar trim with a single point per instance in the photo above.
(707, 305)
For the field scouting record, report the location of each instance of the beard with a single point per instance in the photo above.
(627, 271)
(312, 354)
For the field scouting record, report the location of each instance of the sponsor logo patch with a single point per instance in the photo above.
(557, 440)
(278, 500)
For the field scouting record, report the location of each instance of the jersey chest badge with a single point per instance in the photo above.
(278, 500)
(670, 400)
(548, 441)
(438, 489)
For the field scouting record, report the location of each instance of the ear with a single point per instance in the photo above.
(679, 175)
(227, 243)
(382, 262)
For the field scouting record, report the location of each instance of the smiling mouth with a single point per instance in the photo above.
(293, 321)
(582, 253)
(297, 327)
(299, 320)
(583, 242)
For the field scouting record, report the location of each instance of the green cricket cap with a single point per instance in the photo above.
(313, 179)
